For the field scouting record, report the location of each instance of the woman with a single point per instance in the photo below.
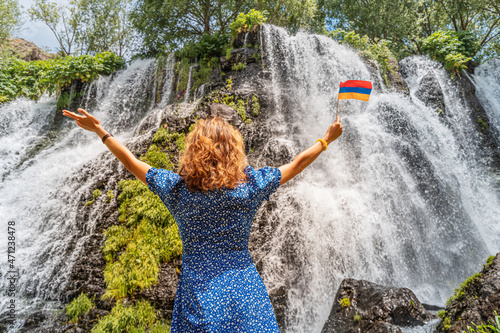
(213, 200)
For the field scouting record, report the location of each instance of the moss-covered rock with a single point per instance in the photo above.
(475, 301)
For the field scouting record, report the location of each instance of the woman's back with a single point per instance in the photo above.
(218, 281)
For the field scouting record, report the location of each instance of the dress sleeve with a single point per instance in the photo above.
(161, 182)
(267, 180)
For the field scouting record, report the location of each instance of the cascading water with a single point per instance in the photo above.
(487, 80)
(401, 198)
(40, 189)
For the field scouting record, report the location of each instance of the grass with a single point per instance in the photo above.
(79, 306)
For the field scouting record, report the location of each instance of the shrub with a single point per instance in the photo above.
(454, 49)
(246, 22)
(379, 51)
(32, 79)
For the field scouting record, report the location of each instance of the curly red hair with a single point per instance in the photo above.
(214, 156)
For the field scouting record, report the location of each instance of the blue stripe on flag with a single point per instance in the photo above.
(355, 90)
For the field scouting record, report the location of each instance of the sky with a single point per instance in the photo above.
(37, 32)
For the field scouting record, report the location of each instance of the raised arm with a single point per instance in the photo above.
(306, 157)
(90, 123)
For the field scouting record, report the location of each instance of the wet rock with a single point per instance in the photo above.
(430, 93)
(226, 112)
(478, 302)
(362, 306)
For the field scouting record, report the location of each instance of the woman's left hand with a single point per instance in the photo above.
(87, 122)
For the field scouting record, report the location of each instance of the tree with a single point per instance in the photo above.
(9, 18)
(293, 14)
(61, 20)
(104, 26)
(171, 23)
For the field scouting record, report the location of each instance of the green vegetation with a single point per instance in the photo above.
(491, 327)
(136, 318)
(97, 193)
(78, 306)
(87, 26)
(147, 237)
(109, 196)
(247, 22)
(482, 123)
(345, 302)
(454, 49)
(240, 108)
(460, 292)
(239, 66)
(357, 318)
(10, 16)
(378, 51)
(163, 136)
(255, 106)
(155, 157)
(32, 79)
(489, 261)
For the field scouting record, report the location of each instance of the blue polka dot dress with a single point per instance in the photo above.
(219, 288)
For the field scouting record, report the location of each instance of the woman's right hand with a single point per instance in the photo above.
(333, 131)
(87, 121)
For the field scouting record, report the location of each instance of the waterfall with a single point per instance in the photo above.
(402, 198)
(188, 87)
(41, 189)
(487, 80)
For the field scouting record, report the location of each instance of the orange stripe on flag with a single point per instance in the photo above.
(361, 97)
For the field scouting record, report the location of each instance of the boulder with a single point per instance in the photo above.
(476, 300)
(226, 112)
(430, 93)
(363, 306)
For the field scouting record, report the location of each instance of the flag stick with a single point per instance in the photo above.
(337, 113)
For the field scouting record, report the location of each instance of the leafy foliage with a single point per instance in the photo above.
(148, 237)
(123, 318)
(32, 79)
(80, 305)
(454, 49)
(293, 14)
(9, 18)
(379, 51)
(168, 25)
(246, 22)
(491, 327)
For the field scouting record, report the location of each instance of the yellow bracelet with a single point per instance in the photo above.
(323, 143)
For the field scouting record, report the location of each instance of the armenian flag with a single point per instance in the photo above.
(355, 89)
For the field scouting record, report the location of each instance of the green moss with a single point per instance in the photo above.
(489, 261)
(345, 302)
(80, 305)
(240, 108)
(446, 323)
(255, 106)
(357, 318)
(109, 196)
(229, 84)
(256, 56)
(228, 53)
(97, 193)
(239, 66)
(156, 158)
(148, 237)
(482, 123)
(460, 292)
(183, 77)
(163, 136)
(123, 318)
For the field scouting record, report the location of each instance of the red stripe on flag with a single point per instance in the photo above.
(356, 84)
